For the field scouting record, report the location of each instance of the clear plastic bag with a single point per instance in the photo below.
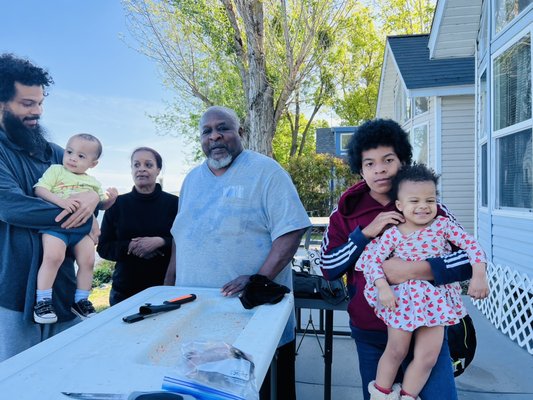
(213, 371)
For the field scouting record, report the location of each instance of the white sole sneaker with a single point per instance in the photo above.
(44, 313)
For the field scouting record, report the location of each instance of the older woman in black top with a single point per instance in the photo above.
(135, 232)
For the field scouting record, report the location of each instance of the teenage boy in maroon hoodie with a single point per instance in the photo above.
(376, 151)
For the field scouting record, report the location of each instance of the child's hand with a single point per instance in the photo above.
(111, 197)
(112, 193)
(385, 294)
(70, 205)
(478, 287)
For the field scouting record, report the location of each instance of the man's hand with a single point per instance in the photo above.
(235, 286)
(145, 247)
(383, 221)
(88, 202)
(261, 290)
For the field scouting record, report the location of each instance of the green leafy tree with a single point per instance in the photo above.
(359, 72)
(405, 17)
(283, 140)
(273, 61)
(250, 55)
(320, 179)
(364, 48)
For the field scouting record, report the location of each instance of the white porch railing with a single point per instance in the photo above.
(510, 304)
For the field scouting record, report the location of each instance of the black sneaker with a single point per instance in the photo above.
(83, 309)
(44, 313)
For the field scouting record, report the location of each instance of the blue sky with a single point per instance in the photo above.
(102, 85)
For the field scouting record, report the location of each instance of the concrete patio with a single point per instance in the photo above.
(500, 370)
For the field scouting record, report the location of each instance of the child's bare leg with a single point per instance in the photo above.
(398, 342)
(53, 256)
(84, 253)
(428, 343)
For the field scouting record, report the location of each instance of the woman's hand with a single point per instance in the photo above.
(88, 201)
(383, 221)
(398, 271)
(235, 286)
(478, 287)
(145, 247)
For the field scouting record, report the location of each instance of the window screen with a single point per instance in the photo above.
(512, 85)
(515, 158)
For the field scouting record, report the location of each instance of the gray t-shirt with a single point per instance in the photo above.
(226, 224)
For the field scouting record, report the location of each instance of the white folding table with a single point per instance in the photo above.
(105, 354)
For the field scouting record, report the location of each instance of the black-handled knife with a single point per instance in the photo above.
(150, 309)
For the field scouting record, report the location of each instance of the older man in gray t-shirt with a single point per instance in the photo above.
(239, 215)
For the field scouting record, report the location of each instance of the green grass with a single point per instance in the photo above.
(100, 297)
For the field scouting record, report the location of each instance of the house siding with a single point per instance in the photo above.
(386, 106)
(484, 227)
(512, 242)
(457, 154)
(505, 234)
(325, 141)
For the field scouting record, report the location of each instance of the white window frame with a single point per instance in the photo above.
(400, 104)
(483, 37)
(344, 150)
(508, 24)
(509, 130)
(497, 54)
(483, 138)
(412, 137)
(413, 106)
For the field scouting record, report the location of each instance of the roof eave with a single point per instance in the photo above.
(456, 90)
(443, 30)
(435, 26)
(384, 70)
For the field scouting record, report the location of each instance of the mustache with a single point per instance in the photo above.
(218, 146)
(31, 118)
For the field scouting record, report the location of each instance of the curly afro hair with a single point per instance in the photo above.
(14, 69)
(412, 173)
(375, 133)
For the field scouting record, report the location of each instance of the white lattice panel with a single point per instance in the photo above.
(510, 304)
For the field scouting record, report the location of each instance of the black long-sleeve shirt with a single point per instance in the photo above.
(133, 215)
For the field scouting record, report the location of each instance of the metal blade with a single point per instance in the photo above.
(97, 396)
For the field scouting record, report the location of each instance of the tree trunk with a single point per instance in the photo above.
(259, 92)
(296, 127)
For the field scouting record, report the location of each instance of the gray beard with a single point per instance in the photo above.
(220, 164)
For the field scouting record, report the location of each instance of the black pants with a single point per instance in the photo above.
(286, 375)
(116, 297)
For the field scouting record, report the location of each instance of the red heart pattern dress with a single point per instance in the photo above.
(419, 302)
